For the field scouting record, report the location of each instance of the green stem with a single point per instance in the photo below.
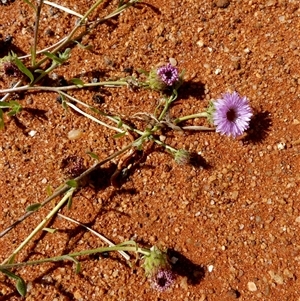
(193, 116)
(65, 88)
(166, 146)
(69, 39)
(36, 30)
(76, 254)
(71, 34)
(167, 105)
(90, 116)
(65, 187)
(40, 225)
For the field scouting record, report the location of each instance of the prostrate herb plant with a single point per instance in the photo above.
(229, 115)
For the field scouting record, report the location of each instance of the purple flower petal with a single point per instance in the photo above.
(168, 74)
(162, 279)
(232, 114)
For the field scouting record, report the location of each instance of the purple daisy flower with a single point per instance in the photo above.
(168, 74)
(162, 280)
(232, 114)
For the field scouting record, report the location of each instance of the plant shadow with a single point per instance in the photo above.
(198, 161)
(184, 267)
(259, 127)
(7, 45)
(192, 89)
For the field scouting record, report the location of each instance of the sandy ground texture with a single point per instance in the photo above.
(230, 219)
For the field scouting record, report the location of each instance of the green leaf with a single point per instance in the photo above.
(78, 82)
(119, 135)
(13, 105)
(50, 230)
(72, 183)
(98, 111)
(53, 57)
(92, 155)
(34, 207)
(40, 71)
(64, 105)
(49, 190)
(4, 105)
(15, 108)
(23, 69)
(120, 123)
(21, 287)
(30, 4)
(78, 267)
(20, 283)
(65, 55)
(1, 120)
(87, 47)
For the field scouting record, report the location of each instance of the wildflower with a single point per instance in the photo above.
(168, 74)
(163, 78)
(158, 269)
(162, 279)
(182, 157)
(232, 114)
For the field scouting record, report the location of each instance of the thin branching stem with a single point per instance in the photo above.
(92, 117)
(65, 188)
(40, 225)
(119, 83)
(111, 244)
(36, 31)
(67, 10)
(121, 247)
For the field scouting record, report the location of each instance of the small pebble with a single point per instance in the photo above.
(210, 268)
(172, 61)
(222, 3)
(251, 286)
(281, 146)
(32, 133)
(74, 134)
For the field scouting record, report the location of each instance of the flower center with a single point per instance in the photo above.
(169, 75)
(231, 115)
(162, 282)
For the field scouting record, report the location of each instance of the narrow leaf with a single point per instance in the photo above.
(40, 71)
(78, 82)
(72, 183)
(119, 135)
(87, 47)
(49, 190)
(20, 283)
(92, 155)
(120, 123)
(50, 230)
(15, 108)
(78, 267)
(34, 207)
(4, 105)
(21, 287)
(24, 69)
(30, 4)
(98, 111)
(53, 57)
(1, 120)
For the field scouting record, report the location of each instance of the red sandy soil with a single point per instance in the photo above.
(231, 218)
